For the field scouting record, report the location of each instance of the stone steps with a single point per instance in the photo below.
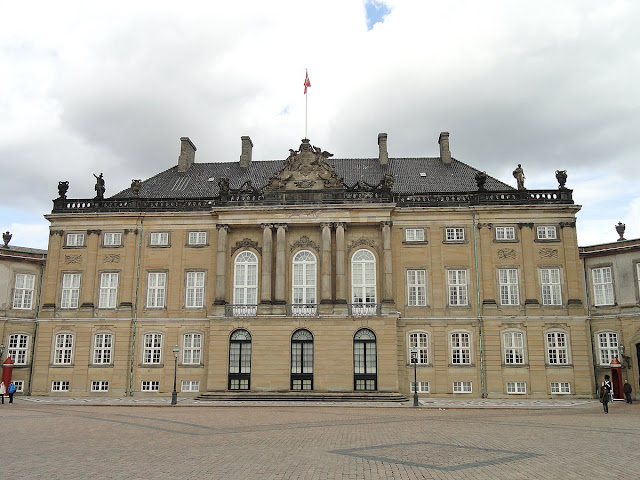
(302, 397)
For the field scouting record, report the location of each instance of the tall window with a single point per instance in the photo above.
(550, 282)
(508, 280)
(70, 290)
(108, 290)
(304, 282)
(419, 341)
(557, 349)
(63, 349)
(112, 239)
(302, 360)
(245, 291)
(156, 289)
(102, 348)
(23, 291)
(602, 286)
(191, 348)
(363, 282)
(457, 282)
(416, 288)
(365, 360)
(608, 347)
(240, 360)
(152, 349)
(513, 344)
(18, 348)
(195, 290)
(460, 348)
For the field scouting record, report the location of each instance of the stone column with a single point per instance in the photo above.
(325, 267)
(267, 261)
(221, 265)
(280, 264)
(387, 274)
(341, 277)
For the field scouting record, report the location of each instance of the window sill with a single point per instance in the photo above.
(61, 365)
(555, 365)
(100, 365)
(151, 365)
(462, 365)
(191, 365)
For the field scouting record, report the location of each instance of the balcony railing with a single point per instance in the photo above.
(241, 310)
(302, 310)
(364, 309)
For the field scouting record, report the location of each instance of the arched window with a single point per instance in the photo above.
(240, 360)
(304, 281)
(365, 361)
(302, 360)
(245, 284)
(363, 283)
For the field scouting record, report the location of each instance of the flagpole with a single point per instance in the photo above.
(306, 98)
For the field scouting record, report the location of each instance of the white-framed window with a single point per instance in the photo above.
(508, 283)
(516, 388)
(304, 280)
(159, 239)
(505, 234)
(245, 284)
(457, 285)
(562, 388)
(102, 348)
(602, 286)
(462, 387)
(513, 347)
(156, 289)
(70, 290)
(550, 283)
(108, 290)
(414, 234)
(190, 386)
(99, 386)
(638, 275)
(150, 386)
(191, 348)
(75, 240)
(197, 238)
(363, 281)
(18, 348)
(23, 291)
(420, 342)
(557, 348)
(546, 232)
(152, 349)
(454, 234)
(60, 386)
(423, 387)
(416, 287)
(460, 348)
(607, 347)
(63, 349)
(112, 239)
(19, 386)
(194, 290)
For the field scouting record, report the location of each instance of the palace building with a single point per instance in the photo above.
(315, 274)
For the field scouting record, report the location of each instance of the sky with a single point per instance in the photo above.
(91, 87)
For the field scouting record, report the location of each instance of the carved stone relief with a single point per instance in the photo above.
(304, 242)
(72, 259)
(246, 243)
(506, 253)
(363, 242)
(548, 252)
(111, 258)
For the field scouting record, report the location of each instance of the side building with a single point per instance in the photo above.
(316, 274)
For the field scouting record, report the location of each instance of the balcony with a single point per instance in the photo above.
(240, 310)
(364, 309)
(302, 310)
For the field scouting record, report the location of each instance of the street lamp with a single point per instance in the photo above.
(174, 395)
(414, 360)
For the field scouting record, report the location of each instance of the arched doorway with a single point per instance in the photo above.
(365, 377)
(302, 360)
(240, 360)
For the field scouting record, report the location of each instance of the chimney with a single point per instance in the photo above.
(187, 154)
(245, 153)
(445, 154)
(383, 155)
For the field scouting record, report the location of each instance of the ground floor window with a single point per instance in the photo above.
(19, 385)
(150, 386)
(60, 386)
(99, 386)
(423, 387)
(560, 387)
(462, 387)
(516, 387)
(190, 386)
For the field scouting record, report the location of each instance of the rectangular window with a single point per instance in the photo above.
(195, 290)
(159, 239)
(19, 386)
(190, 386)
(18, 348)
(508, 282)
(519, 388)
(75, 240)
(602, 286)
(460, 348)
(423, 387)
(156, 289)
(108, 290)
(191, 348)
(505, 233)
(416, 288)
(63, 349)
(513, 348)
(547, 232)
(70, 290)
(550, 282)
(99, 386)
(462, 387)
(152, 349)
(23, 291)
(150, 386)
(557, 350)
(419, 341)
(60, 386)
(414, 234)
(112, 239)
(454, 234)
(197, 238)
(102, 348)
(561, 387)
(608, 347)
(457, 281)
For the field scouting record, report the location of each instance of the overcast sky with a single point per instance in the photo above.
(90, 87)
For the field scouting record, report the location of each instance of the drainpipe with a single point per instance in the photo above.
(479, 306)
(135, 308)
(593, 353)
(35, 330)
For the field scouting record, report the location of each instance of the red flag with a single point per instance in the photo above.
(307, 83)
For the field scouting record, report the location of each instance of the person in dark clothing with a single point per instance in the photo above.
(605, 393)
(627, 391)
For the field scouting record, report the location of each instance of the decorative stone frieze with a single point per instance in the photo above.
(548, 252)
(72, 259)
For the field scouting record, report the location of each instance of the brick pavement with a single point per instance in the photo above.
(46, 440)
